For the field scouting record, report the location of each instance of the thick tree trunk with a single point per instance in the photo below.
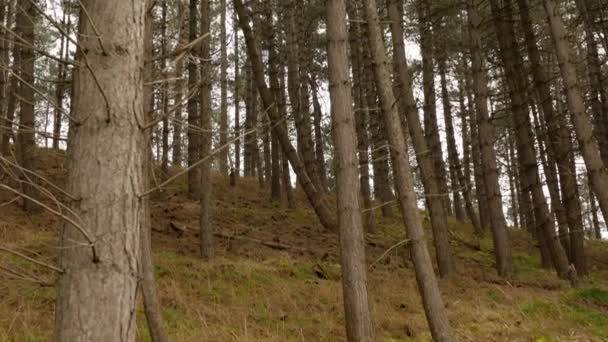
(437, 210)
(314, 195)
(427, 283)
(97, 290)
(500, 234)
(206, 227)
(352, 238)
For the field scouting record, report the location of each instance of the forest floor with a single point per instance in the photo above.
(254, 292)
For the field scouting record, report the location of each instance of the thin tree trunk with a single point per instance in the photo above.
(12, 92)
(513, 64)
(165, 93)
(580, 120)
(26, 139)
(180, 84)
(223, 155)
(97, 290)
(194, 175)
(453, 158)
(427, 283)
(237, 102)
(436, 207)
(352, 239)
(423, 7)
(314, 196)
(152, 308)
(206, 227)
(361, 118)
(500, 234)
(319, 149)
(60, 86)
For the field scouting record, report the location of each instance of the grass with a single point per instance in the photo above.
(253, 293)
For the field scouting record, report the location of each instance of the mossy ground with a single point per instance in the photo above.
(253, 293)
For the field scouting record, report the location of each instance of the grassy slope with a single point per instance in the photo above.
(252, 293)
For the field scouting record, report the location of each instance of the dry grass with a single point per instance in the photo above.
(254, 293)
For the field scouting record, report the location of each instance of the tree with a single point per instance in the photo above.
(426, 162)
(596, 169)
(206, 233)
(352, 240)
(223, 156)
(97, 289)
(425, 277)
(500, 235)
(194, 176)
(312, 193)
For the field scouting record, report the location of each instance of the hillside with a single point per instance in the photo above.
(278, 278)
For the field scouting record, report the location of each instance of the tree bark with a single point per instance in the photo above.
(425, 277)
(194, 175)
(513, 64)
(500, 234)
(237, 102)
(206, 233)
(436, 207)
(314, 195)
(180, 84)
(352, 239)
(97, 290)
(26, 139)
(60, 86)
(361, 117)
(223, 155)
(596, 169)
(431, 129)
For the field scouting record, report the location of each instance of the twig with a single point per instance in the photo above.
(37, 262)
(402, 242)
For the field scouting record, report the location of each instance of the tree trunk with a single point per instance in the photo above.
(314, 196)
(12, 91)
(194, 146)
(97, 290)
(165, 93)
(423, 7)
(237, 102)
(60, 86)
(588, 145)
(500, 234)
(453, 158)
(513, 64)
(352, 239)
(361, 116)
(223, 155)
(26, 139)
(437, 210)
(319, 148)
(427, 283)
(275, 88)
(206, 227)
(559, 143)
(149, 291)
(180, 85)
